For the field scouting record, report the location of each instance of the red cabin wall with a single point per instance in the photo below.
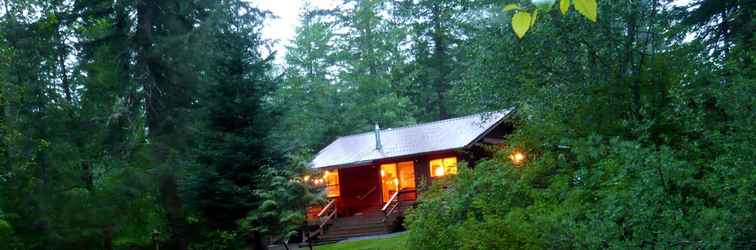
(355, 182)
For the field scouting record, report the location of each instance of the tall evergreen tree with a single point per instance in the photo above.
(437, 31)
(368, 55)
(234, 146)
(308, 89)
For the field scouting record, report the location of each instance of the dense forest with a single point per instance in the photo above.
(130, 123)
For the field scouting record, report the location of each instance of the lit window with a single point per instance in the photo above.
(406, 175)
(444, 166)
(389, 181)
(332, 183)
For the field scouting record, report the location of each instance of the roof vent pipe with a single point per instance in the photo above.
(378, 145)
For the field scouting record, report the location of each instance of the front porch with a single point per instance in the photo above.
(327, 226)
(366, 200)
(369, 188)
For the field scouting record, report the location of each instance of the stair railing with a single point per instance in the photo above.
(390, 206)
(362, 197)
(326, 215)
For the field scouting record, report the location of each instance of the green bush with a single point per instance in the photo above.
(681, 177)
(611, 194)
(5, 230)
(219, 240)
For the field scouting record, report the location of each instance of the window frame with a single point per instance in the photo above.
(335, 186)
(449, 168)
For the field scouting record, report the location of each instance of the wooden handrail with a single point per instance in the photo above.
(362, 197)
(393, 207)
(324, 223)
(324, 220)
(393, 199)
(322, 211)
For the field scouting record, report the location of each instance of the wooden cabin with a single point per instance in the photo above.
(371, 177)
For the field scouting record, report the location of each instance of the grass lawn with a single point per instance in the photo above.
(392, 243)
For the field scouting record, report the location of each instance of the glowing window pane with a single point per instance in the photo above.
(406, 175)
(389, 181)
(443, 166)
(332, 183)
(450, 164)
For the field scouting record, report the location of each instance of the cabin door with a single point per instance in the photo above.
(395, 177)
(359, 190)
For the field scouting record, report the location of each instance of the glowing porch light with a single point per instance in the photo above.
(439, 171)
(306, 178)
(517, 157)
(383, 173)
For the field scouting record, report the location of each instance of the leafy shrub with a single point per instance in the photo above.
(681, 176)
(219, 240)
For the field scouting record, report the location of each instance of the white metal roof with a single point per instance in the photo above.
(435, 136)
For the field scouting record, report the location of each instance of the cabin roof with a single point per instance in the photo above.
(449, 134)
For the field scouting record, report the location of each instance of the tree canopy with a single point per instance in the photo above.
(127, 124)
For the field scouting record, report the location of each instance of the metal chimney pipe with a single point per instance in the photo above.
(378, 145)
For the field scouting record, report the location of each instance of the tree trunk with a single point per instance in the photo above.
(174, 209)
(626, 67)
(440, 60)
(147, 77)
(86, 175)
(107, 234)
(255, 241)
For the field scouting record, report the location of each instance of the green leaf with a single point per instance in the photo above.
(587, 8)
(5, 229)
(521, 23)
(511, 6)
(533, 19)
(564, 6)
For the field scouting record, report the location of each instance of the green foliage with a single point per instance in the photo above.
(5, 230)
(587, 8)
(218, 240)
(284, 196)
(7, 238)
(124, 117)
(336, 85)
(601, 193)
(643, 158)
(523, 19)
(101, 115)
(233, 147)
(521, 22)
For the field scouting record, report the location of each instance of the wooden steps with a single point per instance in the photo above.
(361, 224)
(368, 223)
(365, 224)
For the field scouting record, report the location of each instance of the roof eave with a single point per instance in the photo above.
(374, 161)
(490, 128)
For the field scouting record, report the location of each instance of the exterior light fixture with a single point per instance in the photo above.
(517, 157)
(306, 178)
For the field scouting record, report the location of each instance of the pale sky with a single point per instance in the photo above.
(282, 28)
